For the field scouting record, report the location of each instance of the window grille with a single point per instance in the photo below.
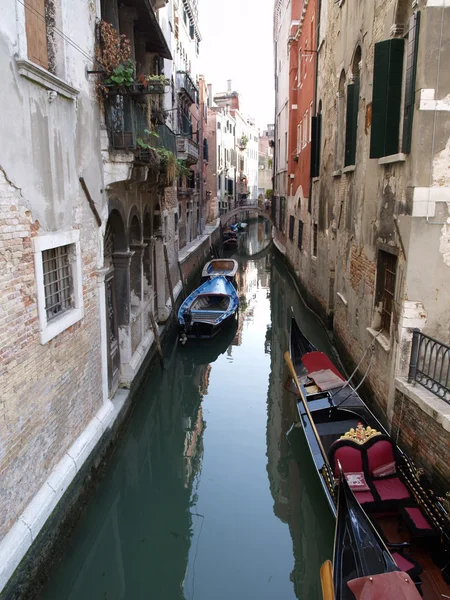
(315, 234)
(300, 235)
(389, 266)
(291, 227)
(57, 281)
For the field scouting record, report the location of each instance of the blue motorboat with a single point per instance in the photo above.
(221, 266)
(209, 308)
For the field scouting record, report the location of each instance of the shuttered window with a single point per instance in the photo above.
(316, 131)
(36, 30)
(386, 100)
(410, 84)
(351, 125)
(300, 235)
(291, 227)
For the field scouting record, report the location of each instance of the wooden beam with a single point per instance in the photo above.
(91, 202)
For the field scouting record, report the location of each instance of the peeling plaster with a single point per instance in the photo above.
(444, 241)
(441, 166)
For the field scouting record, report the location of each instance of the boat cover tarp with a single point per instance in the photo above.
(396, 585)
(326, 379)
(315, 362)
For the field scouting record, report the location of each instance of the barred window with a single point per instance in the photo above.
(291, 227)
(57, 281)
(315, 235)
(300, 235)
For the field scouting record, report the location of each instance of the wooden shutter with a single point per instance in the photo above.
(386, 99)
(410, 85)
(351, 123)
(36, 30)
(316, 130)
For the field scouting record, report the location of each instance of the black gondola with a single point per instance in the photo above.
(340, 428)
(362, 564)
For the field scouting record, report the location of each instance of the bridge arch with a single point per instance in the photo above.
(254, 210)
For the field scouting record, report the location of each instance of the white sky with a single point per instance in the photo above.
(237, 45)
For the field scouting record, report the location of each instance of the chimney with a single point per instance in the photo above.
(229, 85)
(210, 96)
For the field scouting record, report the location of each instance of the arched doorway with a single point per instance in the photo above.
(114, 242)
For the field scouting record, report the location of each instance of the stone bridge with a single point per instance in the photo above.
(253, 209)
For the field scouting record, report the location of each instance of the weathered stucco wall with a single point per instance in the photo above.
(50, 131)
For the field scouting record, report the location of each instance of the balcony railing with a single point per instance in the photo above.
(187, 150)
(186, 85)
(127, 121)
(430, 365)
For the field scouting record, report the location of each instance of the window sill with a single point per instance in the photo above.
(33, 72)
(349, 169)
(392, 158)
(59, 324)
(381, 338)
(431, 405)
(337, 173)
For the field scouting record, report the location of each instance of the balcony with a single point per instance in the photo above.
(186, 86)
(187, 149)
(430, 365)
(129, 121)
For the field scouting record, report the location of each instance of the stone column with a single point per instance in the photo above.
(138, 250)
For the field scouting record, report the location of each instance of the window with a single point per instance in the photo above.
(351, 125)
(315, 235)
(386, 99)
(57, 260)
(191, 31)
(57, 281)
(385, 291)
(36, 31)
(299, 137)
(300, 235)
(299, 68)
(291, 227)
(316, 133)
(282, 213)
(305, 130)
(339, 145)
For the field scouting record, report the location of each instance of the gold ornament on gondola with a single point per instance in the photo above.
(361, 434)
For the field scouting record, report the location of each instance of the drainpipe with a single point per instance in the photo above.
(201, 157)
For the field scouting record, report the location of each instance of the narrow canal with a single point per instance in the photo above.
(204, 498)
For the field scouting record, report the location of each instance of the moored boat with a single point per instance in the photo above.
(362, 564)
(340, 429)
(207, 309)
(220, 266)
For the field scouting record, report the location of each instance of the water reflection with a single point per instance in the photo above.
(204, 497)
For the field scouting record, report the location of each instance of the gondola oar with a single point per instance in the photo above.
(288, 360)
(326, 579)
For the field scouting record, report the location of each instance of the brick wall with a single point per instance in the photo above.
(425, 440)
(48, 393)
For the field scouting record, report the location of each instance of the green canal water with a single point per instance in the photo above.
(204, 498)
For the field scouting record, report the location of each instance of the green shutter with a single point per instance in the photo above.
(351, 120)
(410, 85)
(316, 126)
(386, 97)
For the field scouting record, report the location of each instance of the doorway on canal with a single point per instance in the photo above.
(204, 498)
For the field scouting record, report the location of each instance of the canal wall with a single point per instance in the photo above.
(35, 541)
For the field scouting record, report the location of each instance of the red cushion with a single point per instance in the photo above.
(357, 482)
(384, 470)
(350, 459)
(402, 563)
(416, 516)
(380, 454)
(364, 497)
(391, 488)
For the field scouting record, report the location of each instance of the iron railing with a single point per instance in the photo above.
(430, 365)
(186, 84)
(128, 121)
